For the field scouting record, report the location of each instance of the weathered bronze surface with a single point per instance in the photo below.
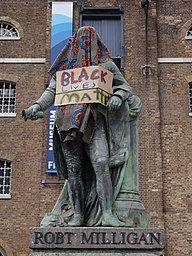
(95, 148)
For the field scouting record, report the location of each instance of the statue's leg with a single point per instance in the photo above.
(73, 159)
(98, 152)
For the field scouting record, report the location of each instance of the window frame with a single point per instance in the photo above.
(106, 12)
(15, 24)
(7, 38)
(4, 168)
(190, 98)
(2, 253)
(186, 36)
(9, 114)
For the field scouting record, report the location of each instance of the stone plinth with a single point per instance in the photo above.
(98, 253)
(96, 241)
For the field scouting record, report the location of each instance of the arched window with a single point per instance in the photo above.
(2, 251)
(189, 33)
(5, 178)
(5, 249)
(8, 31)
(7, 98)
(190, 97)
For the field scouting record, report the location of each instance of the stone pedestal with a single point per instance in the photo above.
(96, 241)
(128, 206)
(98, 253)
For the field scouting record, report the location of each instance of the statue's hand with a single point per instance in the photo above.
(114, 103)
(32, 112)
(35, 109)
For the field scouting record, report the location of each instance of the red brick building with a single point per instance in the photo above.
(158, 66)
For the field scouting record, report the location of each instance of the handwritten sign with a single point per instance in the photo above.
(84, 96)
(83, 85)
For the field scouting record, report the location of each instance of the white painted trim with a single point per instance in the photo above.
(9, 38)
(190, 114)
(5, 196)
(174, 60)
(188, 37)
(22, 60)
(8, 114)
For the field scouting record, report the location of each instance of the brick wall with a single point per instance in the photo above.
(164, 124)
(22, 142)
(174, 17)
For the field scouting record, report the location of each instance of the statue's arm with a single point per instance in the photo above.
(121, 89)
(45, 101)
(48, 96)
(120, 86)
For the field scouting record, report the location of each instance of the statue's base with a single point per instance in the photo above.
(132, 213)
(96, 241)
(97, 253)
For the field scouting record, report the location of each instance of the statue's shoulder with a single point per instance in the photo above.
(110, 65)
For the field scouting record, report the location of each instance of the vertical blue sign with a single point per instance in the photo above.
(61, 31)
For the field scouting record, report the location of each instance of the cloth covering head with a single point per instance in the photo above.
(85, 48)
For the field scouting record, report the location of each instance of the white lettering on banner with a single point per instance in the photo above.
(51, 165)
(51, 127)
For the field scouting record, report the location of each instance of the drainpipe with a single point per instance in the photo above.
(146, 70)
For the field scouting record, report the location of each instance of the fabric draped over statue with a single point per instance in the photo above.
(85, 48)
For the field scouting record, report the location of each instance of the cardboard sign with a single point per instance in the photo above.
(83, 96)
(91, 84)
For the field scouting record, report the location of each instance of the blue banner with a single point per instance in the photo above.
(61, 31)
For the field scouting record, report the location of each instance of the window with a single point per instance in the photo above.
(189, 33)
(2, 251)
(7, 98)
(190, 98)
(8, 31)
(5, 249)
(109, 24)
(5, 178)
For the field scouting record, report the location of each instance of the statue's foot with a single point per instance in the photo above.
(110, 220)
(77, 221)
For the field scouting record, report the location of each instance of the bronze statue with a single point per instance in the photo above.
(91, 142)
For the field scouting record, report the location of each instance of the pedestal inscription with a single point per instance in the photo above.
(96, 238)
